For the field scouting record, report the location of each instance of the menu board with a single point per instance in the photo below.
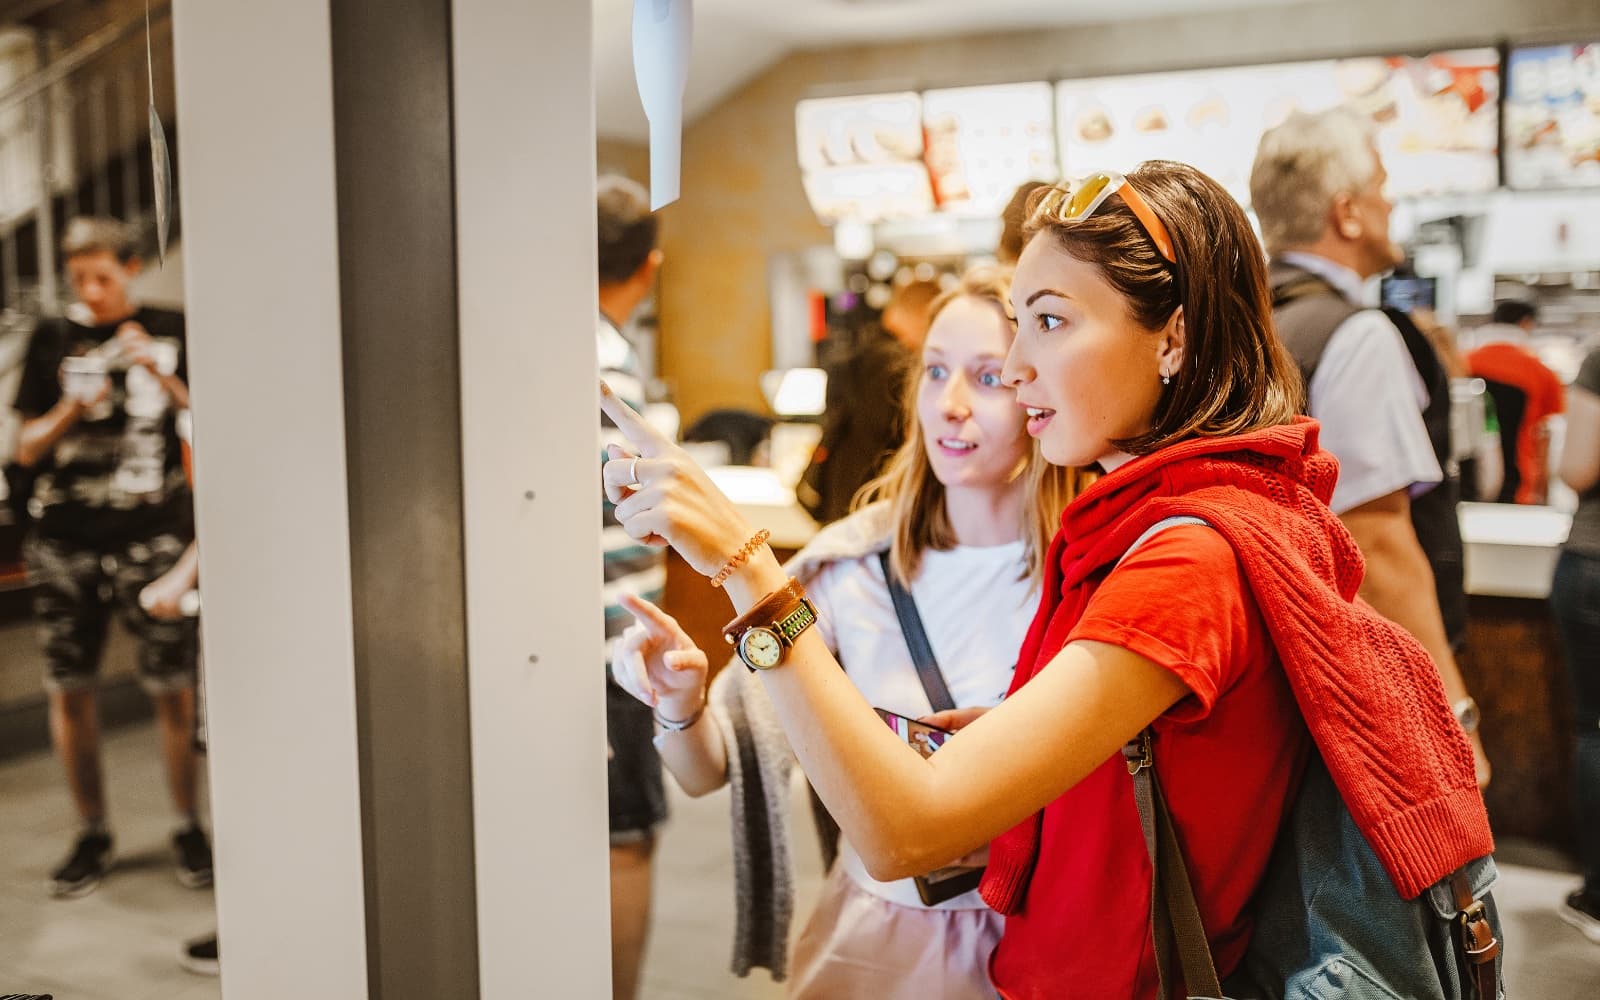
(1436, 117)
(862, 157)
(982, 142)
(1553, 116)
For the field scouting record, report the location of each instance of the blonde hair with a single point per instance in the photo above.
(916, 497)
(1301, 166)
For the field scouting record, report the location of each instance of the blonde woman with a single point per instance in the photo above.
(964, 510)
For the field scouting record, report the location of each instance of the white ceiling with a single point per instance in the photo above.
(734, 40)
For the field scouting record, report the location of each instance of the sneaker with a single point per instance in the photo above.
(200, 956)
(194, 857)
(1582, 911)
(84, 868)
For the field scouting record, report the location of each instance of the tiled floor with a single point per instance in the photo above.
(121, 942)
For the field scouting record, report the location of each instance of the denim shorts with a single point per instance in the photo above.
(637, 794)
(76, 589)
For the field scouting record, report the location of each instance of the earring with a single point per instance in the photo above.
(1166, 380)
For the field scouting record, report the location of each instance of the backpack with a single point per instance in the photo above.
(1329, 921)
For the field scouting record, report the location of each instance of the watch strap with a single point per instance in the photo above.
(776, 606)
(801, 617)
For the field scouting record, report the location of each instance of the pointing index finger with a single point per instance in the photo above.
(635, 428)
(652, 618)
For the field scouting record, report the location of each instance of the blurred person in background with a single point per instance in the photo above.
(961, 518)
(1526, 395)
(112, 514)
(1575, 601)
(628, 261)
(1444, 339)
(1013, 220)
(862, 422)
(1372, 379)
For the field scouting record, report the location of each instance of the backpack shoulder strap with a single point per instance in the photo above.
(1174, 913)
(1175, 923)
(916, 639)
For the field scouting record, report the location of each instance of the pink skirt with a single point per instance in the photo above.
(858, 945)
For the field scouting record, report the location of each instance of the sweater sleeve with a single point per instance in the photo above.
(760, 764)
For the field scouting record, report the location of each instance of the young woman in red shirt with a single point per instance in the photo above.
(1144, 346)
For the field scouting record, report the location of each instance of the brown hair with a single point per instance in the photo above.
(915, 495)
(96, 234)
(626, 229)
(1236, 374)
(1014, 221)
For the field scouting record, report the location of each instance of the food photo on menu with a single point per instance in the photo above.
(1553, 117)
(984, 141)
(862, 157)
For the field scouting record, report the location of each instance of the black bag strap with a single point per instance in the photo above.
(916, 639)
(1174, 914)
(1175, 923)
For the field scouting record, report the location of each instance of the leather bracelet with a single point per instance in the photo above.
(764, 610)
(677, 726)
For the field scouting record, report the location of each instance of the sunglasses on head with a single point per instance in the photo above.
(1086, 195)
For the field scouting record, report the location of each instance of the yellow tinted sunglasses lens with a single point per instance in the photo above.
(1088, 195)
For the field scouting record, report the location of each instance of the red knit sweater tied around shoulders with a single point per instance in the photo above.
(1371, 695)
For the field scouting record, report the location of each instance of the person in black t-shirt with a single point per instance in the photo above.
(112, 513)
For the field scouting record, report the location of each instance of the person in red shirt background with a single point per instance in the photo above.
(1145, 347)
(1526, 395)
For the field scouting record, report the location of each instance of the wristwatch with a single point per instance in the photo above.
(1467, 714)
(763, 635)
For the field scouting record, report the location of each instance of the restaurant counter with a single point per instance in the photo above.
(1513, 667)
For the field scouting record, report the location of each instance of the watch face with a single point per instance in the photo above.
(761, 648)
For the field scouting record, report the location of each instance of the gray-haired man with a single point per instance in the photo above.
(1372, 379)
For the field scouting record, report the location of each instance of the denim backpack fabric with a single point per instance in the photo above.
(1330, 924)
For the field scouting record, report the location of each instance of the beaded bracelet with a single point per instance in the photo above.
(756, 541)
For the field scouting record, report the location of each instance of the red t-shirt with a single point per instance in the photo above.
(1545, 396)
(1228, 758)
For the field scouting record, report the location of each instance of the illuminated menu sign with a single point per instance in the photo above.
(1436, 123)
(862, 157)
(1553, 117)
(1435, 117)
(985, 141)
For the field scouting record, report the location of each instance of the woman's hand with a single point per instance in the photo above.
(954, 719)
(664, 498)
(657, 662)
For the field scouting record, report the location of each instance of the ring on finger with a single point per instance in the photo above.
(633, 472)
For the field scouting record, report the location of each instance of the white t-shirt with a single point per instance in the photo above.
(975, 611)
(1369, 398)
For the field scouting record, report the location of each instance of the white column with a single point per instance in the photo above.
(524, 131)
(256, 143)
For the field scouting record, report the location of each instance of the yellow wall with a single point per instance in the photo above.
(618, 156)
(742, 200)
